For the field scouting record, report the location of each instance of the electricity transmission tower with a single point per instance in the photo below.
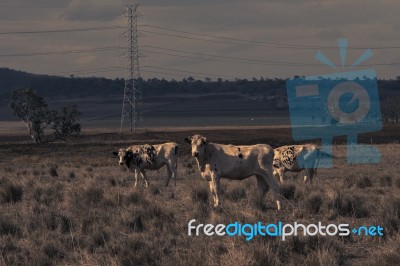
(131, 114)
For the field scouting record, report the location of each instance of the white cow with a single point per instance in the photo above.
(138, 158)
(296, 158)
(216, 161)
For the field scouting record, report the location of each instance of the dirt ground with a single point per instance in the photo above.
(70, 203)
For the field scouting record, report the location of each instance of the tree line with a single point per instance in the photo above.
(27, 91)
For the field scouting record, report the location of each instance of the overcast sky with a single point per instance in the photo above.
(284, 36)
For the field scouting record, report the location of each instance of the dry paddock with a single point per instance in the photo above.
(70, 203)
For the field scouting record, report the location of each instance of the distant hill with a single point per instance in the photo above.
(56, 87)
(187, 102)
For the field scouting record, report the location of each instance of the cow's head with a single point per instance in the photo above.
(199, 144)
(124, 156)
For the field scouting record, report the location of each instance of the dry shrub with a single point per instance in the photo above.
(397, 182)
(53, 250)
(389, 254)
(287, 191)
(236, 194)
(390, 216)
(56, 221)
(99, 238)
(93, 195)
(11, 253)
(112, 181)
(312, 203)
(8, 227)
(364, 182)
(315, 250)
(134, 251)
(53, 172)
(346, 204)
(10, 192)
(266, 253)
(385, 181)
(154, 190)
(136, 224)
(238, 257)
(199, 194)
(49, 195)
(201, 211)
(135, 198)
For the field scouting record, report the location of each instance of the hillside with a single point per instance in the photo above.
(188, 102)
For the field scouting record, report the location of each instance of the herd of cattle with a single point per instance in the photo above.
(216, 161)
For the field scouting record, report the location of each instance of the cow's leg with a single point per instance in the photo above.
(216, 184)
(281, 173)
(212, 189)
(311, 174)
(174, 169)
(307, 175)
(271, 181)
(262, 186)
(136, 177)
(143, 174)
(169, 175)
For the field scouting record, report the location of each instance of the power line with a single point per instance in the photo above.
(235, 39)
(199, 39)
(90, 50)
(58, 7)
(227, 60)
(88, 71)
(246, 60)
(60, 30)
(188, 72)
(228, 57)
(252, 42)
(227, 40)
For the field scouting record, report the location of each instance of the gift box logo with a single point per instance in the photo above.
(337, 104)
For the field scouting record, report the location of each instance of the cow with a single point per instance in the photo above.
(139, 158)
(295, 158)
(216, 161)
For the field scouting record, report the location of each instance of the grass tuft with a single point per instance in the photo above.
(10, 193)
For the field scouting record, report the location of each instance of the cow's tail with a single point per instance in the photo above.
(327, 155)
(176, 150)
(317, 162)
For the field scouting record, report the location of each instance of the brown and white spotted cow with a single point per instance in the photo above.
(216, 161)
(296, 158)
(139, 158)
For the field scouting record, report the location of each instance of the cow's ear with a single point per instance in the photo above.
(204, 140)
(115, 153)
(188, 140)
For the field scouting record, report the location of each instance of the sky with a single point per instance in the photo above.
(226, 39)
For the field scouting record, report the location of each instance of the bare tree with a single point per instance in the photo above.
(33, 111)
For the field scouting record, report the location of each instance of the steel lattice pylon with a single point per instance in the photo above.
(132, 92)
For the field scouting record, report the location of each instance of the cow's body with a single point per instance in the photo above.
(139, 158)
(296, 158)
(216, 161)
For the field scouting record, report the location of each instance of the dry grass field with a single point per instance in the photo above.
(72, 204)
